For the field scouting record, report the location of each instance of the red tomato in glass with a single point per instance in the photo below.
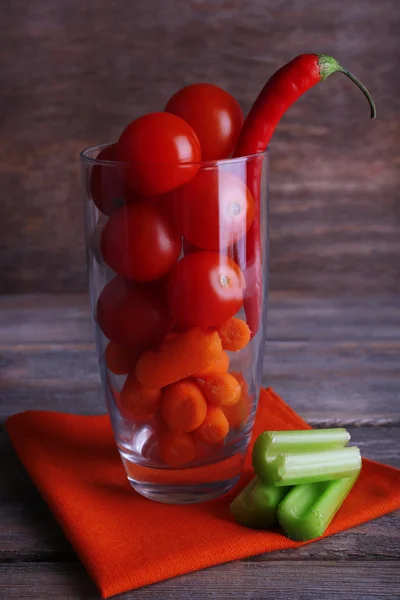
(139, 242)
(107, 187)
(214, 114)
(214, 210)
(189, 248)
(163, 151)
(205, 289)
(133, 315)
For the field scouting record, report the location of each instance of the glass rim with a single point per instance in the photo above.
(86, 158)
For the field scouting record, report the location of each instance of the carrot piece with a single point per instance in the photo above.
(238, 413)
(221, 365)
(176, 448)
(136, 400)
(243, 383)
(190, 352)
(119, 360)
(222, 389)
(214, 428)
(184, 406)
(235, 334)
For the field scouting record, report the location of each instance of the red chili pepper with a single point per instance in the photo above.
(278, 94)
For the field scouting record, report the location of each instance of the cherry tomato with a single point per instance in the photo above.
(107, 187)
(163, 151)
(213, 210)
(205, 289)
(214, 114)
(133, 315)
(140, 243)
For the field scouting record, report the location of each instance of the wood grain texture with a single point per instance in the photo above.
(63, 319)
(335, 361)
(305, 580)
(328, 383)
(74, 73)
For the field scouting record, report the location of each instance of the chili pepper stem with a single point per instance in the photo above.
(328, 65)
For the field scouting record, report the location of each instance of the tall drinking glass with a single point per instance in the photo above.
(167, 275)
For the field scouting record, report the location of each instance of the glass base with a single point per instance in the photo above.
(183, 494)
(187, 485)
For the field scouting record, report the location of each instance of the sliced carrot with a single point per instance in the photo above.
(190, 352)
(238, 413)
(243, 383)
(119, 360)
(222, 389)
(183, 406)
(176, 448)
(137, 401)
(235, 334)
(221, 365)
(214, 428)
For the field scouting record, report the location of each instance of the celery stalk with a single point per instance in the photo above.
(307, 510)
(295, 469)
(271, 443)
(256, 504)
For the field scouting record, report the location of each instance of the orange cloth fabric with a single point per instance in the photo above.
(126, 541)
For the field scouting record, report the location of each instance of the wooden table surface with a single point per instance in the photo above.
(75, 73)
(336, 361)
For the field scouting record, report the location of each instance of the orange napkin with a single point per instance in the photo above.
(126, 541)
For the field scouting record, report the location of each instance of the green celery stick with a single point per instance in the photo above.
(271, 443)
(295, 469)
(256, 504)
(307, 510)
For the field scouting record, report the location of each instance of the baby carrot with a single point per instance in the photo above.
(184, 405)
(176, 448)
(119, 360)
(235, 334)
(240, 378)
(190, 352)
(221, 365)
(238, 413)
(222, 389)
(137, 401)
(214, 428)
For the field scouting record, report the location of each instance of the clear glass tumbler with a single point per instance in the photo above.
(178, 287)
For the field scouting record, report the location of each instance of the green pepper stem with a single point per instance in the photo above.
(328, 65)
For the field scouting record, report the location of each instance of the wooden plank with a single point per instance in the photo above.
(26, 319)
(359, 580)
(29, 532)
(334, 360)
(337, 383)
(326, 382)
(334, 173)
(292, 316)
(47, 360)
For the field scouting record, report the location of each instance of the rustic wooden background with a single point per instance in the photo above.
(74, 73)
